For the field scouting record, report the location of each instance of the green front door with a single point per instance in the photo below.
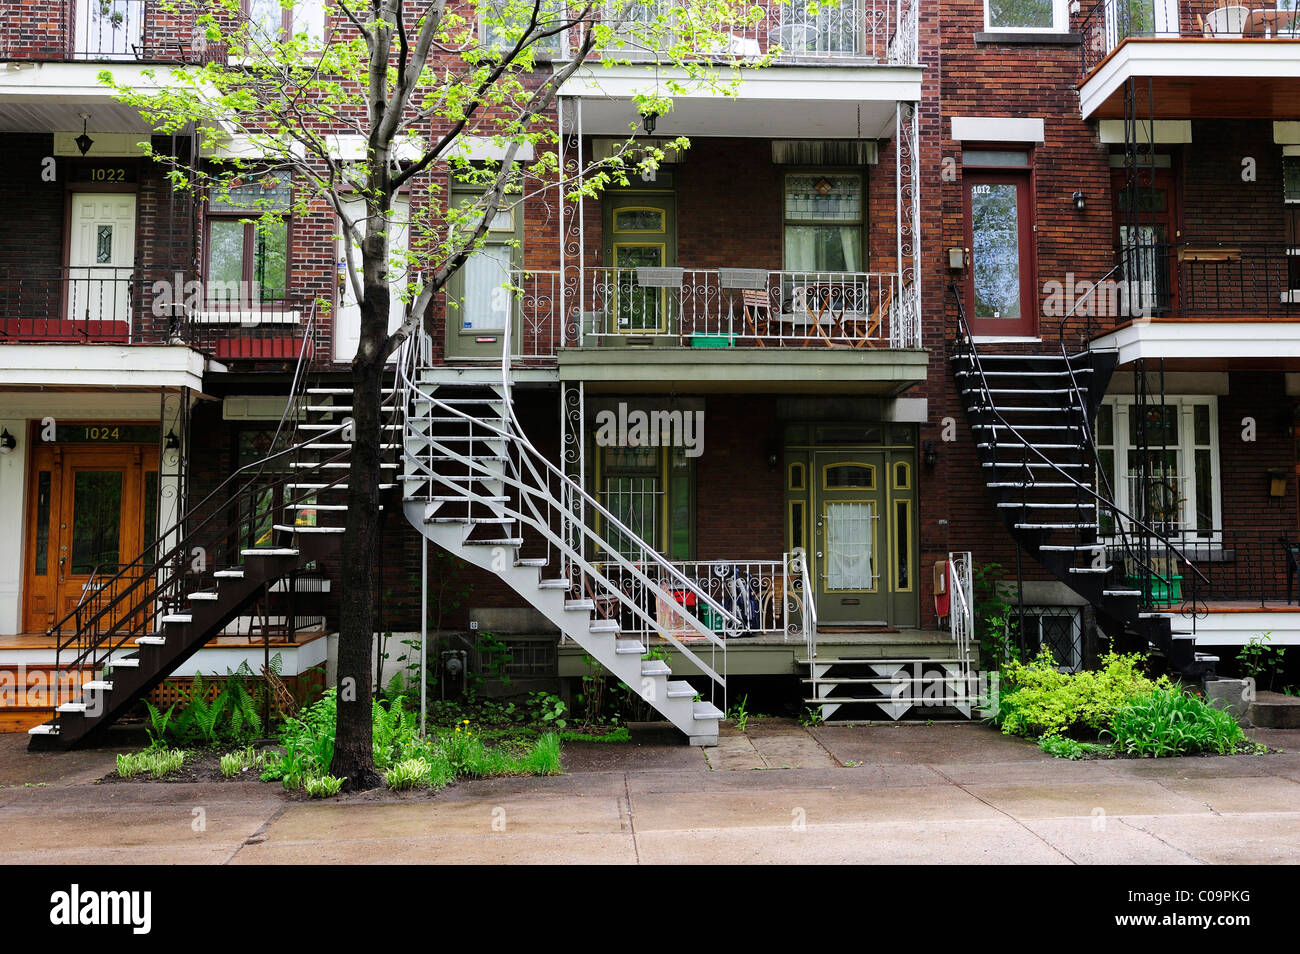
(862, 539)
(481, 306)
(641, 233)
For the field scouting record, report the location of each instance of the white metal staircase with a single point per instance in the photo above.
(474, 484)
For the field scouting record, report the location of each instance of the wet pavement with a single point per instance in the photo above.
(777, 793)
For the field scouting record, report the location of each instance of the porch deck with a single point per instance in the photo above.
(774, 654)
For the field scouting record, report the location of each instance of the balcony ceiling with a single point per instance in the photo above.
(50, 97)
(789, 103)
(1198, 79)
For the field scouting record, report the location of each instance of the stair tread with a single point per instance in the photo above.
(705, 711)
(270, 551)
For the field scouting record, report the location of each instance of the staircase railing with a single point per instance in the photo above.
(240, 512)
(961, 611)
(557, 508)
(1123, 519)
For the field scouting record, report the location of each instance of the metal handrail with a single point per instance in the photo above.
(973, 354)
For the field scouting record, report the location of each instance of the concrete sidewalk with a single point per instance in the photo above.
(780, 793)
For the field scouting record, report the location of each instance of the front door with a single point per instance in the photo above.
(101, 257)
(849, 530)
(641, 235)
(91, 509)
(1148, 261)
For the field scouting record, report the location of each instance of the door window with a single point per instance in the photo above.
(96, 521)
(999, 215)
(850, 546)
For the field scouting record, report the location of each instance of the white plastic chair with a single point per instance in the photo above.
(1226, 22)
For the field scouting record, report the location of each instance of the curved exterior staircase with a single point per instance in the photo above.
(1032, 417)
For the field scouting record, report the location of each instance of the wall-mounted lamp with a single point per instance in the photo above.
(84, 142)
(930, 453)
(772, 454)
(7, 442)
(648, 121)
(171, 441)
(957, 258)
(1080, 201)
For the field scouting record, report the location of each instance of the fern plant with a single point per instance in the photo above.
(159, 722)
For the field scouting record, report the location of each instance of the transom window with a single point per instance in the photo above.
(1179, 494)
(1026, 15)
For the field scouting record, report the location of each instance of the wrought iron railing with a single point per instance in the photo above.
(105, 31)
(734, 307)
(1110, 22)
(152, 306)
(881, 31)
(756, 591)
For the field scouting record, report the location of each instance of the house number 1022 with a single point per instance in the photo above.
(108, 175)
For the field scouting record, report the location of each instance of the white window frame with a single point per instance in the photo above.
(559, 49)
(1166, 25)
(1060, 20)
(1186, 456)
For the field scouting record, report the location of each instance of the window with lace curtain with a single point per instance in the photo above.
(823, 222)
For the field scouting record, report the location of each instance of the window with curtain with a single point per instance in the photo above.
(823, 223)
(247, 248)
(850, 546)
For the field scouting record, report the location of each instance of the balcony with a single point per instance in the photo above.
(138, 307)
(871, 31)
(1196, 58)
(1203, 300)
(104, 31)
(708, 326)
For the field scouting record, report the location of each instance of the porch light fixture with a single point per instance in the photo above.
(84, 142)
(648, 121)
(772, 454)
(930, 453)
(957, 259)
(171, 441)
(1276, 482)
(1080, 201)
(7, 442)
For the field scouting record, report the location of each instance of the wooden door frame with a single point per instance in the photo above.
(137, 460)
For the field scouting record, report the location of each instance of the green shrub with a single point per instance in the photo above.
(239, 761)
(322, 786)
(1172, 722)
(409, 773)
(1060, 747)
(1036, 700)
(152, 762)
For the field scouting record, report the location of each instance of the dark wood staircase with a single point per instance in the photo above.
(1032, 418)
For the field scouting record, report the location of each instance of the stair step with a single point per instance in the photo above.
(1155, 615)
(1026, 485)
(97, 685)
(680, 689)
(1056, 526)
(317, 506)
(1121, 592)
(629, 647)
(124, 664)
(985, 408)
(705, 711)
(471, 520)
(580, 606)
(532, 561)
(1003, 445)
(560, 584)
(1072, 547)
(338, 464)
(1091, 569)
(151, 640)
(655, 667)
(1032, 464)
(463, 498)
(1020, 374)
(298, 528)
(1027, 427)
(45, 728)
(1020, 390)
(503, 542)
(176, 618)
(604, 626)
(229, 574)
(270, 551)
(72, 707)
(334, 427)
(205, 596)
(1012, 504)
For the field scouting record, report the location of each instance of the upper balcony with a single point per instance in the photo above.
(1196, 59)
(836, 69)
(101, 31)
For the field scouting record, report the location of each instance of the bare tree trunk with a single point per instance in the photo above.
(353, 745)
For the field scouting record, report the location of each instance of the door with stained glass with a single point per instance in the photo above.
(91, 511)
(637, 299)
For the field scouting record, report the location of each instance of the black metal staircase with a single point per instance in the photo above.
(1032, 417)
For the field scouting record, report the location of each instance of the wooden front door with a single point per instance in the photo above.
(90, 508)
(641, 233)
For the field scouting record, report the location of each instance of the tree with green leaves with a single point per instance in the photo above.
(407, 83)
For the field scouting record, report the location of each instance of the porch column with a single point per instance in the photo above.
(906, 326)
(571, 232)
(573, 460)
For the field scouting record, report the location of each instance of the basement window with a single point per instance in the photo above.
(1058, 629)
